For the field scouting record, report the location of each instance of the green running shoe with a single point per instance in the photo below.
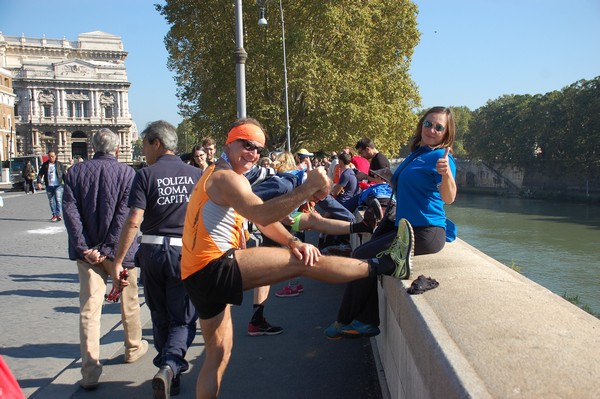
(401, 251)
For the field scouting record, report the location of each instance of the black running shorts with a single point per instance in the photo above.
(219, 283)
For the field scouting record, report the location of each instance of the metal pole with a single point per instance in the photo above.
(240, 56)
(287, 111)
(31, 100)
(11, 142)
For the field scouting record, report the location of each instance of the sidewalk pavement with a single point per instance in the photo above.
(300, 363)
(39, 330)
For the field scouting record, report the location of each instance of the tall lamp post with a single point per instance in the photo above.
(240, 57)
(31, 100)
(263, 22)
(10, 141)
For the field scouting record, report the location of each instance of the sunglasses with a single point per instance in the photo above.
(438, 127)
(248, 146)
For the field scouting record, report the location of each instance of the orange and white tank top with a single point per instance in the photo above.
(209, 229)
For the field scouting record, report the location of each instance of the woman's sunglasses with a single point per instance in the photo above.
(438, 127)
(250, 146)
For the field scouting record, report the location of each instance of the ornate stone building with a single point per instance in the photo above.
(66, 91)
(7, 115)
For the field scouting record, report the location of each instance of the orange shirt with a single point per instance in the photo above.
(209, 229)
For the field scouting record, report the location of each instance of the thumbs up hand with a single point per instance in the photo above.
(442, 166)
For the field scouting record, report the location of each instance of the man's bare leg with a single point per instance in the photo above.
(261, 294)
(218, 341)
(265, 266)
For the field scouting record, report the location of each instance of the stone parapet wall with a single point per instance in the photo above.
(485, 332)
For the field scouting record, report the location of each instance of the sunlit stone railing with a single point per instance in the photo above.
(485, 332)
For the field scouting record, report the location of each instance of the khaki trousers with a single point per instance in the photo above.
(92, 287)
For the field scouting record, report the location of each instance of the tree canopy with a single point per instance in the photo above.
(555, 132)
(347, 67)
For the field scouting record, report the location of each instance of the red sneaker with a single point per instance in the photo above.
(287, 291)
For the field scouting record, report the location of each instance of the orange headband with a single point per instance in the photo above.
(247, 131)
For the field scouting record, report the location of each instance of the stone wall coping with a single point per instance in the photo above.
(493, 332)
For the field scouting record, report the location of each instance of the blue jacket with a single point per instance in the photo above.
(95, 206)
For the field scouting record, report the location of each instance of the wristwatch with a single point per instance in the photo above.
(293, 239)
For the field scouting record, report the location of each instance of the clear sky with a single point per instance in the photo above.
(471, 51)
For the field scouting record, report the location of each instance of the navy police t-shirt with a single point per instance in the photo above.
(163, 191)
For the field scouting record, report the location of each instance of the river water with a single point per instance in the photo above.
(554, 244)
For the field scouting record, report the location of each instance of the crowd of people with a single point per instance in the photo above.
(187, 226)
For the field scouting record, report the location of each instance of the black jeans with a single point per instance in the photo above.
(360, 300)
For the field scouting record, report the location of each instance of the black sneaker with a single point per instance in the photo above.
(263, 328)
(338, 250)
(373, 214)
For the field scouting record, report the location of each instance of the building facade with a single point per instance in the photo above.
(7, 115)
(66, 91)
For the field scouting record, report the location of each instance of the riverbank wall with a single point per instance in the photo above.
(480, 177)
(485, 332)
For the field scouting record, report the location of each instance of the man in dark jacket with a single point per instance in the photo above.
(52, 172)
(95, 204)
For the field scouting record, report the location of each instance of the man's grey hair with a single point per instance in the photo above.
(105, 140)
(162, 131)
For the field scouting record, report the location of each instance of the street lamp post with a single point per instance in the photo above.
(31, 107)
(10, 141)
(240, 56)
(31, 126)
(263, 22)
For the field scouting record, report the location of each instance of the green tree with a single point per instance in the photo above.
(186, 137)
(581, 101)
(555, 133)
(347, 64)
(462, 118)
(499, 132)
(136, 149)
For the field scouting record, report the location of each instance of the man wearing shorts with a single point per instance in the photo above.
(216, 268)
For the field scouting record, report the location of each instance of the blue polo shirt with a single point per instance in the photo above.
(417, 194)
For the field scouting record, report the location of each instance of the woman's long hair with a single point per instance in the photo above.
(449, 132)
